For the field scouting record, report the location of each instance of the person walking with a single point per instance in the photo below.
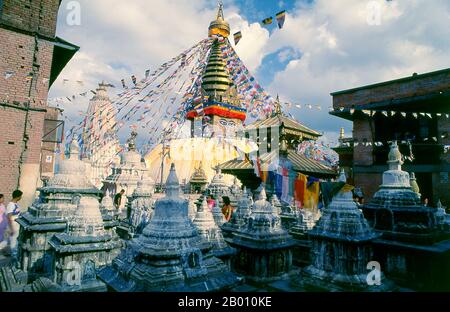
(3, 222)
(12, 213)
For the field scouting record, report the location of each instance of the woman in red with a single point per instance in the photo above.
(227, 209)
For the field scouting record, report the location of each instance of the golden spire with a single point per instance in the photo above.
(219, 26)
(278, 110)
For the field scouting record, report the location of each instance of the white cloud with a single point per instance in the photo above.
(339, 48)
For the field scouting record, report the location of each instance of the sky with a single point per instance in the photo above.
(324, 46)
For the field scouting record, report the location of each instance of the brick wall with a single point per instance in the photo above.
(362, 132)
(402, 88)
(369, 182)
(31, 15)
(21, 53)
(48, 148)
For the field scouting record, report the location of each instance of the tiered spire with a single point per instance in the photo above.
(216, 80)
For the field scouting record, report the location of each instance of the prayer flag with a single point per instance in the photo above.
(281, 17)
(267, 21)
(237, 37)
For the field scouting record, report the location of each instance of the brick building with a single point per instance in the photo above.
(415, 112)
(31, 57)
(51, 141)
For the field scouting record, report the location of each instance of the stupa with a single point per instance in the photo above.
(141, 204)
(84, 248)
(222, 110)
(126, 175)
(207, 227)
(442, 218)
(170, 255)
(412, 238)
(199, 180)
(217, 214)
(240, 216)
(49, 214)
(218, 186)
(264, 247)
(341, 248)
(109, 213)
(396, 210)
(110, 221)
(100, 142)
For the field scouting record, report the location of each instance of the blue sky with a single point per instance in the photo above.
(325, 45)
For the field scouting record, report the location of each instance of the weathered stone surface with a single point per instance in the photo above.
(85, 247)
(396, 210)
(170, 255)
(49, 214)
(341, 247)
(141, 204)
(264, 247)
(127, 174)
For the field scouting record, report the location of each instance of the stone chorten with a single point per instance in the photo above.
(240, 215)
(170, 255)
(109, 213)
(264, 247)
(84, 248)
(128, 173)
(199, 180)
(217, 214)
(218, 186)
(208, 228)
(49, 214)
(141, 204)
(396, 211)
(341, 247)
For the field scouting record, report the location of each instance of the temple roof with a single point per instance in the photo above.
(291, 125)
(300, 163)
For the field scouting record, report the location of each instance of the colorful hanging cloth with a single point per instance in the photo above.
(237, 37)
(281, 17)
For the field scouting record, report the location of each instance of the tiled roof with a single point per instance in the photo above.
(300, 163)
(277, 120)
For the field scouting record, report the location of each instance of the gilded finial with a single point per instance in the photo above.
(219, 26)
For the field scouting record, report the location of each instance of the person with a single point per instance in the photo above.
(3, 221)
(227, 209)
(13, 212)
(211, 202)
(425, 202)
(118, 199)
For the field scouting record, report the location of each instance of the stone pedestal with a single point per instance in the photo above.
(341, 249)
(264, 248)
(83, 249)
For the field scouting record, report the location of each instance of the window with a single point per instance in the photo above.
(53, 131)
